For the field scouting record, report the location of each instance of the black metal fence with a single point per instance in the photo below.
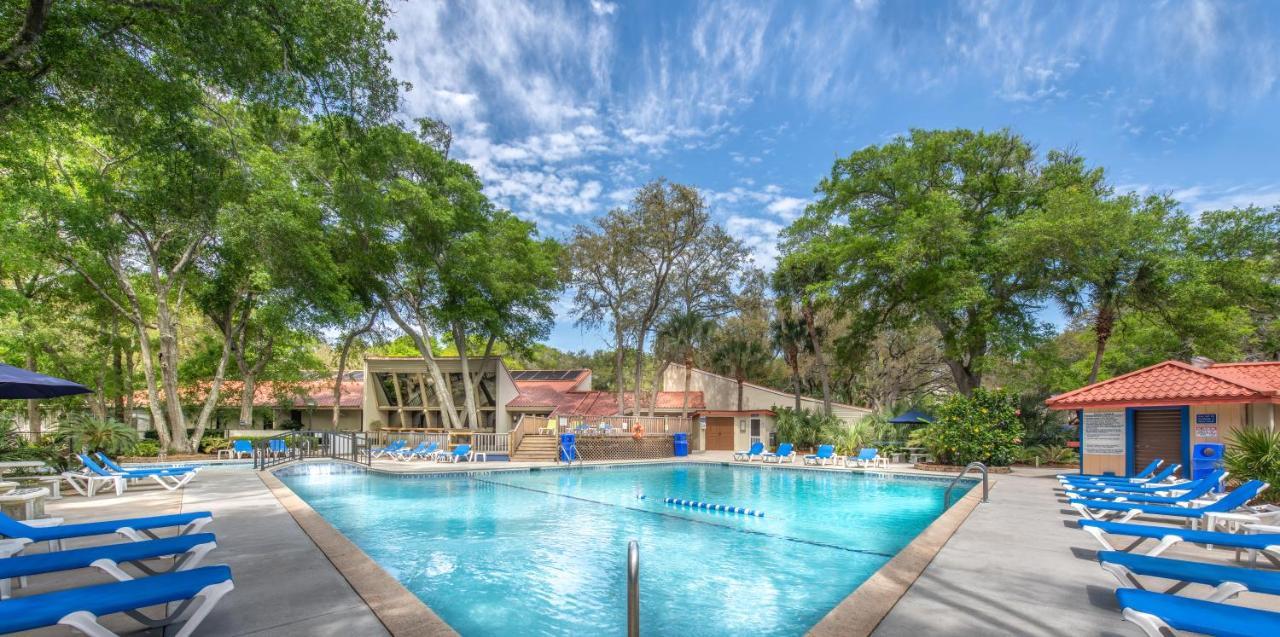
(352, 446)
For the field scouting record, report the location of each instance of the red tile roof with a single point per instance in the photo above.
(1177, 383)
(302, 394)
(559, 397)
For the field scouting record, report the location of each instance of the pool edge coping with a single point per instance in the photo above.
(861, 612)
(401, 612)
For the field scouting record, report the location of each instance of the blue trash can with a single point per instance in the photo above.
(1205, 458)
(568, 448)
(681, 443)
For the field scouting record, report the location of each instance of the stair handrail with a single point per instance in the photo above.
(633, 589)
(946, 496)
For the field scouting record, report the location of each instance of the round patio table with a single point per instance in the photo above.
(5, 467)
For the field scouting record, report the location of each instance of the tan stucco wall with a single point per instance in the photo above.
(721, 394)
(1230, 418)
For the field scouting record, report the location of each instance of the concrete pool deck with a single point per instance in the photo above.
(1017, 565)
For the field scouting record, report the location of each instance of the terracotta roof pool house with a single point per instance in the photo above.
(1168, 411)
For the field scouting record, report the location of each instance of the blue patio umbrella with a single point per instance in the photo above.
(16, 382)
(913, 416)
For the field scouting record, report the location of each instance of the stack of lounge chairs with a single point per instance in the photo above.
(184, 590)
(402, 452)
(93, 475)
(1187, 511)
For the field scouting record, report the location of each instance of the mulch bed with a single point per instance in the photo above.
(950, 468)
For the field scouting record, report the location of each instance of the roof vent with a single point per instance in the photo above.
(1202, 362)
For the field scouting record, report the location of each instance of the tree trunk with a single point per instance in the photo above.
(347, 341)
(639, 367)
(1103, 325)
(33, 405)
(424, 349)
(127, 384)
(211, 401)
(818, 362)
(688, 373)
(250, 386)
(618, 362)
(795, 383)
(740, 380)
(117, 368)
(468, 393)
(966, 379)
(653, 402)
(159, 421)
(168, 333)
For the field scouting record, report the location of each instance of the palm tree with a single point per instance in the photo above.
(681, 335)
(789, 336)
(742, 356)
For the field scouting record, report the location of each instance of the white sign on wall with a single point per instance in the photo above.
(1104, 433)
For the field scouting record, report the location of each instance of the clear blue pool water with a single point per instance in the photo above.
(543, 552)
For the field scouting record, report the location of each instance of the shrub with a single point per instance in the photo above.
(89, 434)
(983, 427)
(1049, 454)
(807, 429)
(146, 448)
(214, 443)
(1254, 454)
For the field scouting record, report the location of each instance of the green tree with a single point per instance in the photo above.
(925, 229)
(789, 337)
(739, 354)
(681, 337)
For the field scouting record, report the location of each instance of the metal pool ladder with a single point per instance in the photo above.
(633, 589)
(946, 496)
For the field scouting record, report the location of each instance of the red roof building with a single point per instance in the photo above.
(1172, 411)
(568, 392)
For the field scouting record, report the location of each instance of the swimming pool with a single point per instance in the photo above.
(543, 552)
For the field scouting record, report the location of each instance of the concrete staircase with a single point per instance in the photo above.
(536, 448)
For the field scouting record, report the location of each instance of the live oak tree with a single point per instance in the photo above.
(925, 229)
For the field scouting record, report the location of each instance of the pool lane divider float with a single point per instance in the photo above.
(694, 504)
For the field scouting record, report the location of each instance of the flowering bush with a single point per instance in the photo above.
(983, 427)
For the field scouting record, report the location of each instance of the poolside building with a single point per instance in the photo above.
(1165, 410)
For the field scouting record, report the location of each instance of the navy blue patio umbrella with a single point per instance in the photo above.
(16, 382)
(911, 417)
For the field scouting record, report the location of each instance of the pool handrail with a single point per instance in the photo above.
(946, 495)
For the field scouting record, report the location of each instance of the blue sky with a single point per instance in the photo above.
(565, 107)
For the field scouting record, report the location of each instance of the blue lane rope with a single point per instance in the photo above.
(694, 504)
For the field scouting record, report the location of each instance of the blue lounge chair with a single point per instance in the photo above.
(1145, 473)
(405, 453)
(87, 484)
(1164, 474)
(826, 455)
(389, 449)
(1125, 511)
(80, 608)
(757, 449)
(1199, 489)
(1159, 615)
(167, 480)
(1267, 543)
(866, 457)
(277, 447)
(188, 549)
(1227, 581)
(785, 450)
(241, 448)
(136, 529)
(171, 471)
(460, 452)
(1149, 489)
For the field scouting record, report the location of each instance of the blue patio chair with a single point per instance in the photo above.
(1164, 474)
(1227, 581)
(278, 447)
(785, 450)
(756, 450)
(1266, 543)
(1164, 488)
(1125, 511)
(1194, 491)
(79, 608)
(867, 457)
(168, 471)
(170, 481)
(242, 448)
(406, 454)
(826, 455)
(188, 550)
(460, 452)
(1158, 614)
(136, 529)
(389, 449)
(1145, 473)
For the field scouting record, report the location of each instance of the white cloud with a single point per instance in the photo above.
(599, 7)
(787, 208)
(759, 236)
